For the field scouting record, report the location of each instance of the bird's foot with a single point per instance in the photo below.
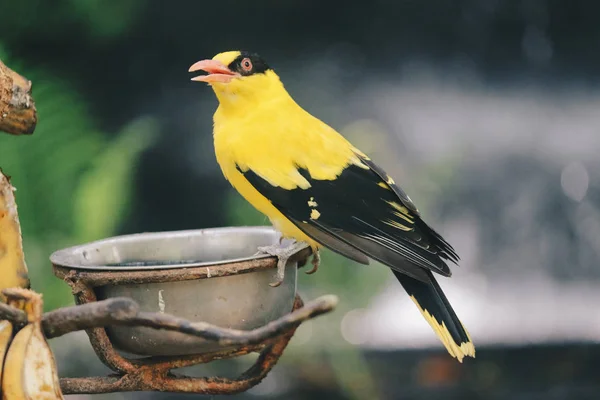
(316, 261)
(283, 254)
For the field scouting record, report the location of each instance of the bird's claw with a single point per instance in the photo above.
(281, 263)
(276, 283)
(316, 261)
(283, 254)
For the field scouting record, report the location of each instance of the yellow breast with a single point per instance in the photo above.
(274, 138)
(230, 150)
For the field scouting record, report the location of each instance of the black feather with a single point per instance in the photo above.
(332, 242)
(363, 212)
(432, 299)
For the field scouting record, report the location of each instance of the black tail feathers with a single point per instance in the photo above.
(436, 309)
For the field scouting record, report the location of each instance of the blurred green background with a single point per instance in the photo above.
(484, 111)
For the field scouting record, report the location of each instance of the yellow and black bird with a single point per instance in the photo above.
(320, 190)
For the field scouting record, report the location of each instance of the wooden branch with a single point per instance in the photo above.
(13, 270)
(18, 115)
(124, 311)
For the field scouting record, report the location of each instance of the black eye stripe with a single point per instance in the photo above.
(257, 64)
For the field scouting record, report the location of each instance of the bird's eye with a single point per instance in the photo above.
(246, 64)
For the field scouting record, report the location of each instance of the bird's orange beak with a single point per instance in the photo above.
(217, 72)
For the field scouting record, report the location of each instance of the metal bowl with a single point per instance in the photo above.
(240, 301)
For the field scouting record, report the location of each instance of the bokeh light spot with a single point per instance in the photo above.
(575, 181)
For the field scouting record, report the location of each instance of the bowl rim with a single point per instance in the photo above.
(67, 257)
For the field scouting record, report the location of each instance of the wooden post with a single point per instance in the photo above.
(18, 115)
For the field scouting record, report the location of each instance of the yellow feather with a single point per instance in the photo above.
(402, 212)
(314, 214)
(456, 351)
(397, 225)
(227, 57)
(400, 208)
(404, 217)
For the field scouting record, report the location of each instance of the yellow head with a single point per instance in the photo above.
(237, 76)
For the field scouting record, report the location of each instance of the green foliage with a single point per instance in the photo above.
(106, 18)
(97, 19)
(44, 179)
(72, 183)
(104, 194)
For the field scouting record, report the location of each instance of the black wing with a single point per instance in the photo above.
(362, 209)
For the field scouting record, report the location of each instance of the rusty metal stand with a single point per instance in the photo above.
(153, 373)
